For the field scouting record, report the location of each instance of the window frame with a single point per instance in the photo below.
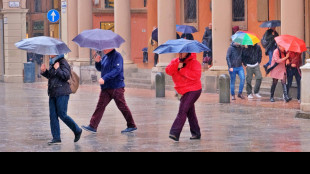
(242, 24)
(183, 22)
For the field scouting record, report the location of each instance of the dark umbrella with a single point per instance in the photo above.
(181, 46)
(271, 24)
(155, 35)
(43, 45)
(186, 29)
(99, 40)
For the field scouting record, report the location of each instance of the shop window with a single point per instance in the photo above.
(107, 26)
(240, 14)
(109, 3)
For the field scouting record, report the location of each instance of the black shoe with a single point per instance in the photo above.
(78, 136)
(195, 138)
(174, 138)
(272, 100)
(54, 142)
(285, 94)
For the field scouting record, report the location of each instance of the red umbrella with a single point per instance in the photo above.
(291, 43)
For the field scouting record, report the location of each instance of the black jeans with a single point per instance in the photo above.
(291, 72)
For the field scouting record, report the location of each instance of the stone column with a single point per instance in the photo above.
(85, 22)
(222, 24)
(293, 18)
(305, 95)
(14, 31)
(122, 16)
(72, 29)
(166, 28)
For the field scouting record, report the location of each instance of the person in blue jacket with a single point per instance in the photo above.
(112, 88)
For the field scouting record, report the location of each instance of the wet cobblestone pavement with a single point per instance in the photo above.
(239, 127)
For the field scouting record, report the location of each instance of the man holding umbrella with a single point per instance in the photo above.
(112, 75)
(268, 40)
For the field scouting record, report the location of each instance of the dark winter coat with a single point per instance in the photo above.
(234, 56)
(58, 84)
(252, 55)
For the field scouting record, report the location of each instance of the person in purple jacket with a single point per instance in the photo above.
(112, 88)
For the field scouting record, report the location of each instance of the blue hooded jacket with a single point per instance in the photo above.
(112, 70)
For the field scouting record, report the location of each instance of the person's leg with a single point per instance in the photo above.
(298, 80)
(156, 56)
(104, 99)
(119, 98)
(187, 102)
(192, 118)
(241, 74)
(284, 86)
(273, 89)
(249, 78)
(54, 121)
(232, 82)
(290, 77)
(259, 79)
(62, 109)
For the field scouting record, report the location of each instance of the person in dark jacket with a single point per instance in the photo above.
(252, 58)
(112, 88)
(293, 69)
(59, 92)
(207, 41)
(187, 36)
(270, 44)
(234, 62)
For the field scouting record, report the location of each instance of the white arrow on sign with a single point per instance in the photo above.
(53, 15)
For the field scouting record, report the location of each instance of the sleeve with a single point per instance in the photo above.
(46, 74)
(98, 66)
(229, 53)
(173, 67)
(192, 72)
(260, 54)
(117, 69)
(64, 71)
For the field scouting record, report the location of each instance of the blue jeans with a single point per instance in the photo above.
(270, 53)
(233, 75)
(58, 109)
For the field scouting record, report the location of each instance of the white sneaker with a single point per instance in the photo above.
(258, 95)
(250, 96)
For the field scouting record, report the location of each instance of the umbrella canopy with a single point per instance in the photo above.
(271, 24)
(186, 29)
(181, 46)
(155, 35)
(99, 40)
(245, 38)
(43, 45)
(291, 43)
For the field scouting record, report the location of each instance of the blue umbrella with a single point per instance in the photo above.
(271, 24)
(186, 29)
(99, 40)
(43, 45)
(181, 46)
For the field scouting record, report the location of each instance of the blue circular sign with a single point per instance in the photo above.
(53, 16)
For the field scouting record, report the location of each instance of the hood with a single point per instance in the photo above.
(54, 60)
(193, 56)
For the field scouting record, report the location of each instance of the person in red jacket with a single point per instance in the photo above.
(186, 73)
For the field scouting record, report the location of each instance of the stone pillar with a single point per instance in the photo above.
(166, 28)
(305, 94)
(122, 14)
(85, 22)
(71, 17)
(222, 24)
(14, 31)
(293, 18)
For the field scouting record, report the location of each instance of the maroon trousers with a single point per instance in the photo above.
(187, 110)
(106, 97)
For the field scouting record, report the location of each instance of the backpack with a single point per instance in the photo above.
(74, 82)
(264, 41)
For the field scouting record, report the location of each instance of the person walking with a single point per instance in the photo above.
(293, 69)
(234, 62)
(59, 93)
(186, 73)
(207, 41)
(278, 72)
(269, 44)
(252, 57)
(112, 88)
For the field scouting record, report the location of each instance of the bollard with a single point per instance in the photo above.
(160, 85)
(29, 72)
(224, 85)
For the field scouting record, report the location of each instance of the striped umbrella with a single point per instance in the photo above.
(245, 38)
